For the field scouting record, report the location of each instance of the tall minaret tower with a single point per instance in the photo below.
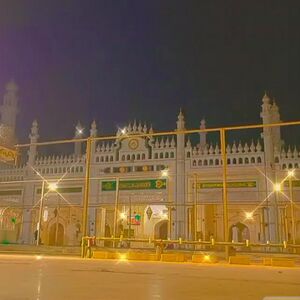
(34, 136)
(202, 134)
(78, 135)
(180, 220)
(276, 130)
(9, 111)
(267, 115)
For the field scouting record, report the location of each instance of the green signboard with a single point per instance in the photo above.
(63, 190)
(295, 183)
(230, 184)
(11, 193)
(145, 184)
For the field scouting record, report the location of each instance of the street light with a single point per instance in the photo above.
(52, 187)
(249, 215)
(277, 187)
(165, 173)
(291, 174)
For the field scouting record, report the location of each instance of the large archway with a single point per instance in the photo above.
(56, 234)
(239, 232)
(161, 230)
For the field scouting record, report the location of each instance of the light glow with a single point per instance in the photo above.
(206, 257)
(277, 187)
(165, 173)
(52, 186)
(249, 215)
(122, 257)
(123, 130)
(291, 173)
(123, 216)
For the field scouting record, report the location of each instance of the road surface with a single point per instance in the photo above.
(55, 278)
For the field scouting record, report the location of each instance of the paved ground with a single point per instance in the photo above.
(43, 278)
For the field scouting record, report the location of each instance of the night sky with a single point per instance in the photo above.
(115, 61)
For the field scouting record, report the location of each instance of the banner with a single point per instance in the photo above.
(7, 154)
(230, 184)
(145, 184)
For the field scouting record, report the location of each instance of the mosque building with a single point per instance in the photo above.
(164, 186)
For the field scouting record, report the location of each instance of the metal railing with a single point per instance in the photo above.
(88, 243)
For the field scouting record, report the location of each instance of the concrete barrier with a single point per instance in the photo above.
(173, 257)
(105, 255)
(142, 256)
(279, 262)
(204, 258)
(239, 260)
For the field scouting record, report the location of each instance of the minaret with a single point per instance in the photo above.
(180, 220)
(276, 130)
(267, 118)
(34, 136)
(93, 134)
(9, 111)
(202, 134)
(78, 135)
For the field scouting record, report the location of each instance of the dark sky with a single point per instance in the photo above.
(119, 60)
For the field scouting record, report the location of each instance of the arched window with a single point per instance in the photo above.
(172, 154)
(97, 159)
(205, 162)
(77, 169)
(252, 160)
(81, 169)
(259, 160)
(156, 155)
(234, 161)
(194, 163)
(296, 165)
(133, 157)
(167, 155)
(200, 162)
(102, 159)
(228, 161)
(111, 158)
(290, 166)
(283, 166)
(246, 160)
(217, 162)
(188, 154)
(161, 155)
(106, 158)
(138, 157)
(143, 156)
(240, 161)
(211, 162)
(123, 157)
(128, 157)
(276, 159)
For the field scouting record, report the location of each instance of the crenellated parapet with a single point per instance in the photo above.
(51, 165)
(237, 154)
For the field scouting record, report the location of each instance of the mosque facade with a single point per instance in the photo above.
(150, 187)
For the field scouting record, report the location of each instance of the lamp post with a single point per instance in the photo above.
(40, 214)
(116, 209)
(291, 174)
(52, 187)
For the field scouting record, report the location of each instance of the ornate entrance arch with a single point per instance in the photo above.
(56, 234)
(161, 230)
(239, 232)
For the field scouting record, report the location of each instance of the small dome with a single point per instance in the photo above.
(266, 98)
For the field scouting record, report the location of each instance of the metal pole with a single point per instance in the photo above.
(116, 207)
(129, 233)
(40, 214)
(225, 199)
(292, 210)
(57, 221)
(195, 207)
(86, 187)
